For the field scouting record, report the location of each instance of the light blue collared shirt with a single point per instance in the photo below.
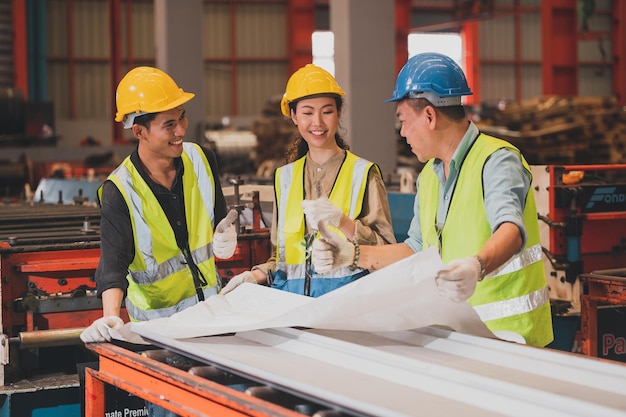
(505, 182)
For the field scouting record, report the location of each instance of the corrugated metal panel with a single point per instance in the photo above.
(58, 88)
(531, 81)
(216, 31)
(498, 82)
(259, 35)
(257, 82)
(6, 45)
(497, 38)
(57, 50)
(217, 89)
(142, 30)
(531, 36)
(530, 3)
(56, 28)
(90, 29)
(600, 20)
(421, 372)
(505, 3)
(595, 50)
(595, 81)
(93, 90)
(595, 55)
(604, 4)
(261, 30)
(90, 50)
(497, 43)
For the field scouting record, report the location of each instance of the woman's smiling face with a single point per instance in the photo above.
(317, 120)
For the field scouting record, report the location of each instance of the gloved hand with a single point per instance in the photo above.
(458, 279)
(98, 331)
(225, 237)
(321, 209)
(331, 251)
(237, 280)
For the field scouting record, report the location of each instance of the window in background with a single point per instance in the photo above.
(445, 43)
(323, 45)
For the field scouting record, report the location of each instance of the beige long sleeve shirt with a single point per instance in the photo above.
(373, 226)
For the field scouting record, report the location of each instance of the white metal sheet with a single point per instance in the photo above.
(420, 372)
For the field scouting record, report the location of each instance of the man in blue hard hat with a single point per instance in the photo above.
(473, 203)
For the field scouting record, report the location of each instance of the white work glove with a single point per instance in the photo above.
(237, 280)
(458, 279)
(321, 209)
(99, 329)
(331, 251)
(225, 237)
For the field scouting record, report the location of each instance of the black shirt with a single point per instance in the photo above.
(117, 246)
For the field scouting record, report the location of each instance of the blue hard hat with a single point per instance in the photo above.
(433, 76)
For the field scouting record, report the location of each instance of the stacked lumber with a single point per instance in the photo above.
(562, 130)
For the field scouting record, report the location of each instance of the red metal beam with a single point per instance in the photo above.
(471, 59)
(233, 58)
(129, 35)
(518, 50)
(619, 51)
(301, 25)
(115, 43)
(403, 28)
(70, 59)
(559, 47)
(167, 386)
(20, 47)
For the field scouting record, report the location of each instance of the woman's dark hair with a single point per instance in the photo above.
(299, 147)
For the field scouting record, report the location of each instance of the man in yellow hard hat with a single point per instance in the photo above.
(158, 211)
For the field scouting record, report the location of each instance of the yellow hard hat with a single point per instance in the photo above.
(147, 90)
(308, 81)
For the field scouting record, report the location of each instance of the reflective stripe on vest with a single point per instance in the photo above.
(289, 185)
(513, 306)
(518, 262)
(159, 268)
(519, 305)
(143, 315)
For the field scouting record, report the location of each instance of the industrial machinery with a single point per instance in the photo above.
(582, 218)
(49, 253)
(324, 373)
(254, 203)
(25, 122)
(48, 257)
(582, 221)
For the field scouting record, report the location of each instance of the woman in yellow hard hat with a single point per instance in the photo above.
(322, 179)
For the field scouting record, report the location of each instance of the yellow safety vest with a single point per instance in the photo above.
(515, 296)
(291, 251)
(160, 282)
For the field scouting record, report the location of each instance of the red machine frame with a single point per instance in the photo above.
(168, 387)
(598, 233)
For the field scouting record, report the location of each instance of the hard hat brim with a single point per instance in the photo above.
(185, 97)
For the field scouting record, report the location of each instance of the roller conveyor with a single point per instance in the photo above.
(24, 226)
